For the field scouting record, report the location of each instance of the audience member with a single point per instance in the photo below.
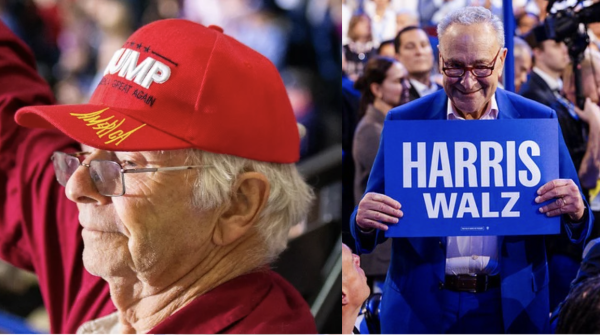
(590, 268)
(383, 86)
(383, 20)
(405, 18)
(414, 51)
(522, 54)
(432, 285)
(545, 86)
(581, 310)
(589, 168)
(354, 289)
(526, 22)
(360, 48)
(386, 49)
(127, 234)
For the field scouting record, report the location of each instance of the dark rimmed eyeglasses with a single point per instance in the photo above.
(479, 71)
(108, 176)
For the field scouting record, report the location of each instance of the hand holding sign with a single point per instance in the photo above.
(375, 208)
(472, 178)
(568, 199)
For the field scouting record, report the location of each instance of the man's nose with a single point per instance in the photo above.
(81, 189)
(419, 49)
(468, 80)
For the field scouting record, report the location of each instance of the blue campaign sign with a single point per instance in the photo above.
(470, 178)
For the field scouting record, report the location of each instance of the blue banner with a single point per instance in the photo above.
(470, 178)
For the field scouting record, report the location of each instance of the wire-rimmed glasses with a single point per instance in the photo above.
(479, 71)
(108, 176)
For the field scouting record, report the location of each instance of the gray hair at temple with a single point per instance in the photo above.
(288, 202)
(472, 15)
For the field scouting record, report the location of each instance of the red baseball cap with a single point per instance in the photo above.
(176, 84)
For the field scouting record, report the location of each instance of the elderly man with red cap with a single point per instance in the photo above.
(176, 188)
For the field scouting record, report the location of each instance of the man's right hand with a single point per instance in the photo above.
(375, 208)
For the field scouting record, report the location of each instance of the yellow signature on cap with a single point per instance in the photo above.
(107, 126)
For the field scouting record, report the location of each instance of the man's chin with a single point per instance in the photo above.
(103, 260)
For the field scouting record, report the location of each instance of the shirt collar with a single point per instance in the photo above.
(423, 89)
(554, 84)
(490, 113)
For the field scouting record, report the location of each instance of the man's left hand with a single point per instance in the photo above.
(568, 199)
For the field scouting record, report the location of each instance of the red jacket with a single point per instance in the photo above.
(40, 232)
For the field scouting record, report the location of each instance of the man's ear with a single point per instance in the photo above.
(502, 58)
(345, 300)
(249, 196)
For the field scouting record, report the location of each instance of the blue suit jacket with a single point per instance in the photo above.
(413, 297)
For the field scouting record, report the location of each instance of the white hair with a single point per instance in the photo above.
(521, 47)
(472, 15)
(287, 205)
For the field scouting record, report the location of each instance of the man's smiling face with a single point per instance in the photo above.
(473, 45)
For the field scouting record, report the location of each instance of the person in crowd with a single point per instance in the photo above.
(589, 169)
(383, 86)
(580, 311)
(386, 49)
(590, 164)
(431, 279)
(405, 18)
(354, 289)
(360, 48)
(383, 20)
(545, 86)
(526, 22)
(413, 50)
(522, 55)
(156, 207)
(590, 268)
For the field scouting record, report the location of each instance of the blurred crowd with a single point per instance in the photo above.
(390, 57)
(73, 41)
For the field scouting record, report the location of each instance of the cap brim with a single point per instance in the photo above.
(99, 127)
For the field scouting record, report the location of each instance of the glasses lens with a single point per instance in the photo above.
(482, 72)
(64, 166)
(453, 72)
(107, 177)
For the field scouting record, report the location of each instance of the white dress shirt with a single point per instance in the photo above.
(423, 89)
(554, 84)
(472, 254)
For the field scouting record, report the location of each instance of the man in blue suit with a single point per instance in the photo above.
(478, 284)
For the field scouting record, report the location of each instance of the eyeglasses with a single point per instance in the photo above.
(479, 71)
(108, 176)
